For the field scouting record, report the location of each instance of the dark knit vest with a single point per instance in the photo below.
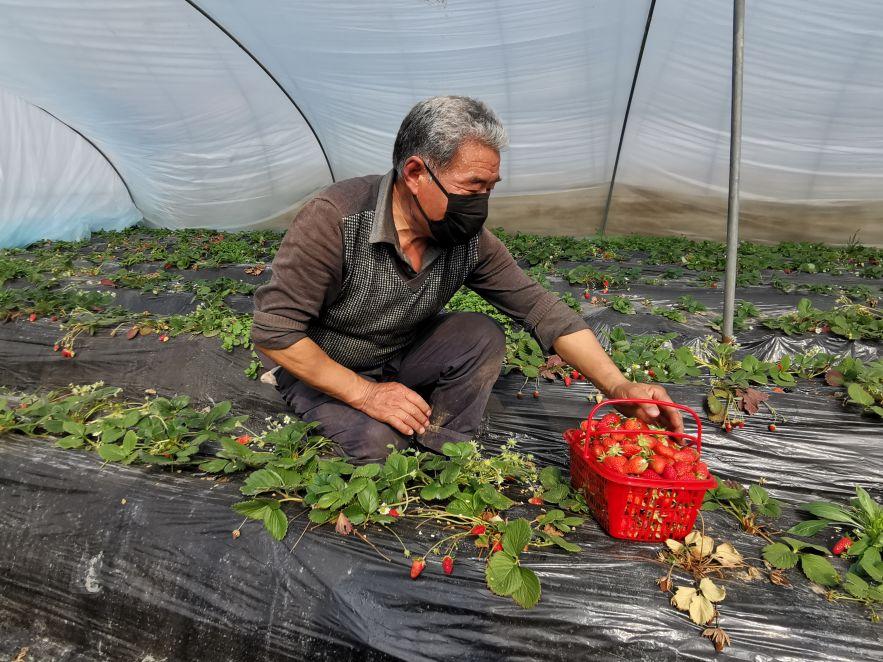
(376, 315)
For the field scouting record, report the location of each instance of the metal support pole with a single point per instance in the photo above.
(735, 159)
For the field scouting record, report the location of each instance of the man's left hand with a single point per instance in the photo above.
(668, 417)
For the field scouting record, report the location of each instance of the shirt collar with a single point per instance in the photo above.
(383, 228)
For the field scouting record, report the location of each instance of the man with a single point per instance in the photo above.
(352, 312)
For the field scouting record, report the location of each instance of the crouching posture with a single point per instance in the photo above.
(353, 313)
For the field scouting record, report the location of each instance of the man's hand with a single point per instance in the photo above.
(396, 405)
(669, 417)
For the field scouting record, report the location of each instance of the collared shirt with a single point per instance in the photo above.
(309, 267)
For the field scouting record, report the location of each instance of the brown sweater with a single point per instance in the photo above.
(309, 269)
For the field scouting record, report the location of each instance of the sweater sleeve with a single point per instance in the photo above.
(306, 274)
(505, 285)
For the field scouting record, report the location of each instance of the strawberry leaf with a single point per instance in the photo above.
(779, 556)
(503, 574)
(276, 523)
(827, 510)
(819, 570)
(808, 528)
(528, 594)
(516, 537)
(856, 586)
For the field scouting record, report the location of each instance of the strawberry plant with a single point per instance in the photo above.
(645, 358)
(747, 506)
(689, 304)
(863, 382)
(851, 321)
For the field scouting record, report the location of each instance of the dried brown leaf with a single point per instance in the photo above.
(718, 637)
(343, 525)
(133, 332)
(664, 583)
(750, 399)
(778, 578)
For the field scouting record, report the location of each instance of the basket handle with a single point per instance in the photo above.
(660, 403)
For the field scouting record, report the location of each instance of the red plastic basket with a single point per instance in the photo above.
(634, 508)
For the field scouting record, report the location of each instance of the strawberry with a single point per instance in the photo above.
(394, 513)
(646, 441)
(658, 463)
(573, 435)
(610, 420)
(574, 374)
(535, 500)
(519, 395)
(536, 394)
(684, 470)
(728, 427)
(684, 455)
(772, 427)
(636, 465)
(664, 450)
(566, 381)
(498, 547)
(54, 318)
(651, 373)
(616, 463)
(164, 338)
(32, 317)
(67, 353)
(701, 470)
(651, 474)
(669, 472)
(244, 439)
(598, 450)
(841, 545)
(55, 347)
(477, 530)
(586, 294)
(632, 424)
(448, 565)
(417, 566)
(629, 448)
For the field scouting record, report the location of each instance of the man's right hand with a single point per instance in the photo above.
(396, 405)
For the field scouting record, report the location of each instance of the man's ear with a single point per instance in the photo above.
(412, 171)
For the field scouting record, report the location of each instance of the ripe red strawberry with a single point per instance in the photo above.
(616, 463)
(636, 465)
(651, 373)
(728, 426)
(448, 565)
(394, 513)
(609, 421)
(417, 566)
(498, 547)
(55, 347)
(684, 470)
(244, 439)
(842, 545)
(669, 472)
(701, 470)
(586, 294)
(665, 450)
(632, 424)
(573, 435)
(477, 530)
(32, 317)
(598, 450)
(67, 353)
(646, 441)
(651, 474)
(658, 463)
(574, 374)
(535, 501)
(684, 455)
(629, 448)
(772, 427)
(566, 381)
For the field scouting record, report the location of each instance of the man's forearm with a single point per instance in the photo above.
(310, 364)
(583, 351)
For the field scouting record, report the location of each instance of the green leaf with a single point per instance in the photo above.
(808, 528)
(449, 474)
(758, 495)
(256, 508)
(856, 586)
(530, 372)
(319, 516)
(557, 493)
(276, 523)
(73, 428)
(798, 545)
(367, 470)
(218, 411)
(528, 594)
(111, 453)
(368, 498)
(213, 466)
(561, 542)
(819, 570)
(829, 511)
(870, 563)
(516, 536)
(550, 477)
(503, 574)
(262, 480)
(130, 439)
(859, 395)
(71, 442)
(868, 505)
(780, 556)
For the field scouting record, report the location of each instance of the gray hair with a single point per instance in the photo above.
(435, 128)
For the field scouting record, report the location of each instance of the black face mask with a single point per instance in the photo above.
(463, 219)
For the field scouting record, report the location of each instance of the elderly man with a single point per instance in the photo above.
(353, 317)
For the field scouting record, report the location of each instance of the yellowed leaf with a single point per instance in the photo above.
(701, 610)
(675, 546)
(711, 590)
(727, 555)
(683, 597)
(700, 546)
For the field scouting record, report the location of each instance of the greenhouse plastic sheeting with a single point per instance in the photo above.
(84, 576)
(198, 132)
(53, 184)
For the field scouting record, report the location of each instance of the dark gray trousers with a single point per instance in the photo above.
(452, 364)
